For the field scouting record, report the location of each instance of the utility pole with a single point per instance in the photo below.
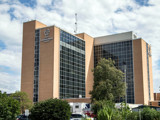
(139, 114)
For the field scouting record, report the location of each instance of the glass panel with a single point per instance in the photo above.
(119, 52)
(72, 65)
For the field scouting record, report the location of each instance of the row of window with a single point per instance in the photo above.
(123, 43)
(75, 44)
(75, 74)
(70, 95)
(73, 83)
(147, 52)
(72, 66)
(72, 63)
(72, 59)
(119, 52)
(66, 75)
(73, 54)
(36, 67)
(71, 92)
(72, 40)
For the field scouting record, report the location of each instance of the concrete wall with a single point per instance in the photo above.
(56, 72)
(27, 74)
(155, 103)
(46, 65)
(114, 38)
(89, 57)
(140, 73)
(79, 100)
(157, 96)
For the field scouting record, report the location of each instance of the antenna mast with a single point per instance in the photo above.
(75, 31)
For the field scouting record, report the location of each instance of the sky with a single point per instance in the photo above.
(95, 17)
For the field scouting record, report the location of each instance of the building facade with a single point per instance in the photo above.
(135, 53)
(58, 64)
(156, 101)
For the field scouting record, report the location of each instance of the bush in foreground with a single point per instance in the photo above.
(52, 109)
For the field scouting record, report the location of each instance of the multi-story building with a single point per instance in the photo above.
(55, 63)
(156, 101)
(126, 48)
(58, 64)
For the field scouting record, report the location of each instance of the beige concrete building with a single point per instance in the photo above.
(58, 64)
(156, 101)
(55, 63)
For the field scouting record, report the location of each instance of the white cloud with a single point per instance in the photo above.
(9, 83)
(11, 59)
(44, 2)
(95, 17)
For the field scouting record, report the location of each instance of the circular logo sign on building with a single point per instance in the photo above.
(47, 38)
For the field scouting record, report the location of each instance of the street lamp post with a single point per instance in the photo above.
(125, 67)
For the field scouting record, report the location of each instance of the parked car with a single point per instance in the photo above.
(22, 117)
(77, 116)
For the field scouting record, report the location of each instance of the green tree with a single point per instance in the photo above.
(9, 107)
(133, 116)
(108, 84)
(150, 114)
(52, 109)
(22, 97)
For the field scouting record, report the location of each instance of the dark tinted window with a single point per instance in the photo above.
(72, 66)
(76, 116)
(120, 52)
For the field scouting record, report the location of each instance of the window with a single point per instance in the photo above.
(150, 103)
(72, 55)
(120, 52)
(36, 66)
(77, 106)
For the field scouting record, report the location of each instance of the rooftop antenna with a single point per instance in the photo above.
(75, 31)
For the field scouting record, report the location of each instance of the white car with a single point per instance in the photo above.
(77, 116)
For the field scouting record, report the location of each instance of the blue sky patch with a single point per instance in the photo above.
(142, 2)
(11, 13)
(29, 3)
(159, 64)
(2, 45)
(119, 10)
(129, 8)
(7, 70)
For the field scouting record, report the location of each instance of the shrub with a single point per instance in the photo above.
(98, 105)
(124, 110)
(52, 109)
(105, 113)
(133, 116)
(149, 114)
(145, 114)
